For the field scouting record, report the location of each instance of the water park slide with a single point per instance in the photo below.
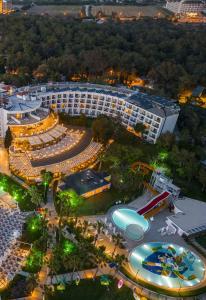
(153, 202)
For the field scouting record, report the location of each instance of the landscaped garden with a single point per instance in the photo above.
(35, 232)
(99, 203)
(20, 194)
(91, 289)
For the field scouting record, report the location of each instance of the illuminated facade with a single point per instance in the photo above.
(186, 6)
(5, 6)
(158, 114)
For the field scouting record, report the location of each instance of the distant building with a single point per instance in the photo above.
(185, 6)
(199, 91)
(87, 183)
(5, 6)
(86, 11)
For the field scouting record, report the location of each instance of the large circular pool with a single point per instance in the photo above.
(123, 217)
(166, 265)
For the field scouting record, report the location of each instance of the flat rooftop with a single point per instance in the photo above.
(157, 105)
(193, 216)
(15, 104)
(84, 181)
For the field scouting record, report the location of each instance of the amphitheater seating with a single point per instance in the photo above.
(21, 165)
(67, 143)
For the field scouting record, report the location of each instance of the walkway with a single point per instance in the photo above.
(38, 292)
(85, 274)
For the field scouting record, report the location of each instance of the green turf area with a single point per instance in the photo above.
(202, 240)
(191, 189)
(89, 289)
(99, 203)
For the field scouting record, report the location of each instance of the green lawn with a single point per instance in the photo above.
(99, 203)
(202, 240)
(89, 289)
(191, 189)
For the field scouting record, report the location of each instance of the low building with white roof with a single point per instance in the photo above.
(189, 217)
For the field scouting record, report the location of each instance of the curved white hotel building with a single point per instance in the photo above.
(30, 105)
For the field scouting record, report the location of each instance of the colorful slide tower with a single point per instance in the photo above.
(150, 209)
(157, 203)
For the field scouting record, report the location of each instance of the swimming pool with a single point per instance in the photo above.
(166, 265)
(123, 217)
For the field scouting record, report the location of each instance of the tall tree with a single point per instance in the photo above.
(202, 178)
(47, 178)
(68, 202)
(8, 138)
(36, 196)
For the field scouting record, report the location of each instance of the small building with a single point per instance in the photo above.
(87, 183)
(161, 182)
(189, 217)
(199, 94)
(203, 163)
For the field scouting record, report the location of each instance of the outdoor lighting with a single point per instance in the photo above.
(120, 284)
(68, 247)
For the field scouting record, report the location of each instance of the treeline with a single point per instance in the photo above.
(35, 48)
(76, 2)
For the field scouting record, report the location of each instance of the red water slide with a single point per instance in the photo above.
(153, 202)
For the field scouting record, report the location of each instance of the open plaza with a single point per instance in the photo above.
(144, 243)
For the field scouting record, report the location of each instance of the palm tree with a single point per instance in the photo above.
(85, 225)
(68, 202)
(99, 226)
(100, 258)
(117, 240)
(72, 262)
(54, 262)
(47, 178)
(120, 260)
(36, 196)
(202, 178)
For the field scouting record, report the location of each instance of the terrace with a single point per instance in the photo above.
(47, 122)
(27, 118)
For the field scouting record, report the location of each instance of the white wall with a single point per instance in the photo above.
(170, 123)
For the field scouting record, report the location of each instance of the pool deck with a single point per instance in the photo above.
(152, 235)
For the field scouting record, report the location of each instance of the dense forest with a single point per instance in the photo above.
(77, 2)
(171, 57)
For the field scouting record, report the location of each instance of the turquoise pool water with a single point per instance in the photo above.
(122, 217)
(167, 265)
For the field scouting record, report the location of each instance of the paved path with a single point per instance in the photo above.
(85, 274)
